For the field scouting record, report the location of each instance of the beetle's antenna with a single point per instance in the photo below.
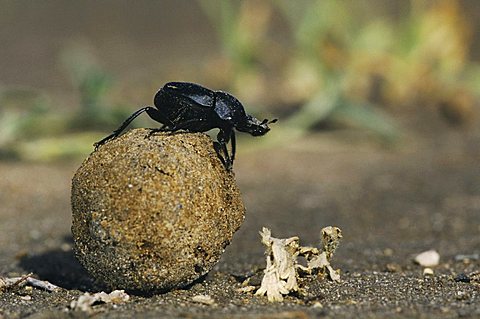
(265, 121)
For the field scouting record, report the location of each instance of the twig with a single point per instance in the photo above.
(42, 284)
(9, 283)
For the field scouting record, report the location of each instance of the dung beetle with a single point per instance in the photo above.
(194, 108)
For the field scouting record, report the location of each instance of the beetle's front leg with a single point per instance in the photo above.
(223, 138)
(233, 144)
(220, 149)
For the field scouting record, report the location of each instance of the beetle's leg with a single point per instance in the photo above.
(124, 125)
(185, 125)
(234, 145)
(164, 128)
(223, 138)
(228, 159)
(172, 128)
(220, 149)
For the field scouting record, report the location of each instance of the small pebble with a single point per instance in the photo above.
(429, 258)
(317, 305)
(388, 252)
(392, 267)
(203, 299)
(462, 278)
(428, 272)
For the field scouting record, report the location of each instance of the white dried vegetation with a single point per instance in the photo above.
(283, 269)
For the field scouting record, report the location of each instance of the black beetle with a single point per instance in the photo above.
(194, 108)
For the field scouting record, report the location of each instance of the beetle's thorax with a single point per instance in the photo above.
(228, 108)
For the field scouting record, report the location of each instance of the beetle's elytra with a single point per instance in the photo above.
(194, 108)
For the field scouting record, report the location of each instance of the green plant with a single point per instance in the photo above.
(351, 69)
(93, 84)
(32, 128)
(314, 73)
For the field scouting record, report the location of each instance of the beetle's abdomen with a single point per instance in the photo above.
(183, 112)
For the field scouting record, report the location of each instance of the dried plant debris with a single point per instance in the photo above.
(86, 301)
(14, 282)
(283, 269)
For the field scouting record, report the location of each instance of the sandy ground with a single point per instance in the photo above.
(390, 203)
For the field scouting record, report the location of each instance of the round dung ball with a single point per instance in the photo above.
(153, 211)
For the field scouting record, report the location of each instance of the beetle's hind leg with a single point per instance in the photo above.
(124, 125)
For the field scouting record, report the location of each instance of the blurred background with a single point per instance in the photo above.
(70, 72)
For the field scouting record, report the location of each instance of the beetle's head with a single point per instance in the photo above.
(253, 126)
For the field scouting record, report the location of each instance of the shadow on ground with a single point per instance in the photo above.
(61, 268)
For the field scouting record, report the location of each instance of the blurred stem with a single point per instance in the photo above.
(367, 116)
(318, 108)
(236, 41)
(222, 15)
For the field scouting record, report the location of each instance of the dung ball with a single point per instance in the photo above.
(153, 212)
